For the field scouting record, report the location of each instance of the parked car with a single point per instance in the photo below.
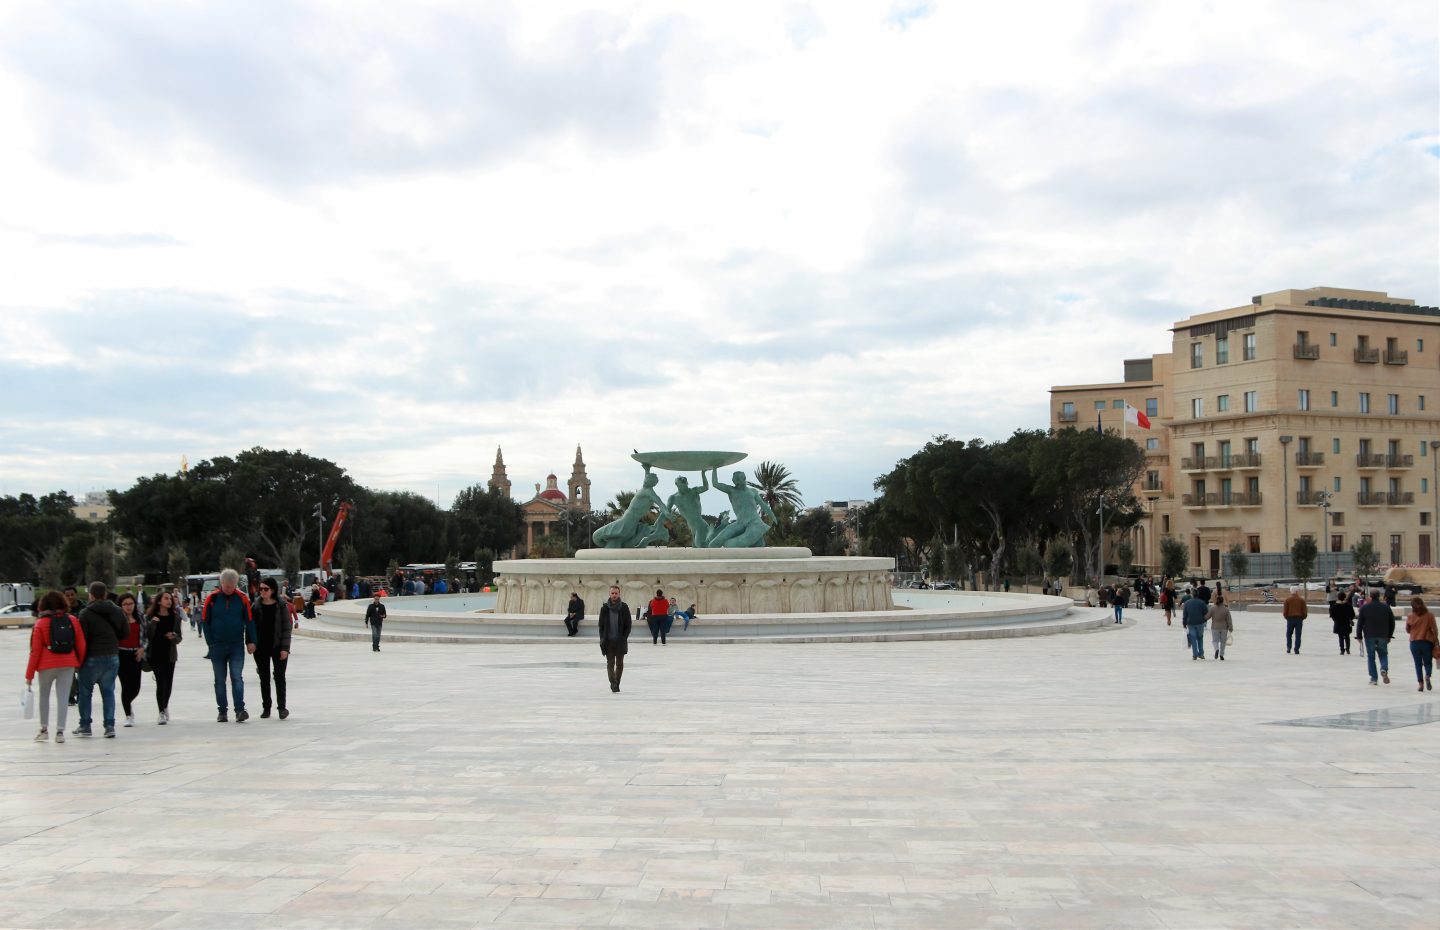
(943, 586)
(12, 609)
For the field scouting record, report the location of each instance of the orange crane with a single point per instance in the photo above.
(328, 553)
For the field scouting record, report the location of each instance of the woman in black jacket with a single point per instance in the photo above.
(163, 631)
(272, 645)
(1342, 612)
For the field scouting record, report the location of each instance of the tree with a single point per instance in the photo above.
(1174, 557)
(549, 546)
(1125, 554)
(1058, 560)
(100, 562)
(1366, 559)
(777, 487)
(232, 557)
(290, 561)
(486, 518)
(177, 565)
(1075, 470)
(48, 571)
(485, 564)
(1028, 562)
(1239, 561)
(817, 531)
(391, 570)
(452, 568)
(349, 560)
(30, 528)
(1302, 558)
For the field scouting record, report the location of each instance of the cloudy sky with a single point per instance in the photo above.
(399, 235)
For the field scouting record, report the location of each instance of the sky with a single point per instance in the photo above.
(399, 236)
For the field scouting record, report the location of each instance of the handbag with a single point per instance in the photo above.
(145, 662)
(27, 703)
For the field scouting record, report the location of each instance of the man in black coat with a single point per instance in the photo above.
(1376, 627)
(614, 624)
(374, 619)
(574, 613)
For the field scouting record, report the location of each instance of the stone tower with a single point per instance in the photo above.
(498, 479)
(579, 484)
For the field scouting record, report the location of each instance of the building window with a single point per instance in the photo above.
(1222, 350)
(1253, 486)
(1152, 444)
(1337, 484)
(1337, 542)
(1117, 405)
(1332, 339)
(1364, 401)
(1099, 405)
(1422, 401)
(1152, 406)
(1396, 549)
(1392, 403)
(1305, 486)
(1334, 398)
(1252, 445)
(1335, 445)
(1197, 354)
(1337, 518)
(1254, 543)
(1304, 399)
(1222, 403)
(1423, 449)
(1424, 485)
(1249, 350)
(1165, 523)
(1419, 345)
(1197, 407)
(1252, 401)
(1368, 538)
(1067, 409)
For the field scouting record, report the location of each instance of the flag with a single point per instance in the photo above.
(1132, 415)
(1098, 428)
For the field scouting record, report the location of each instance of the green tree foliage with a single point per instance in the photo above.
(1366, 559)
(290, 560)
(1125, 554)
(31, 527)
(232, 557)
(817, 531)
(1302, 557)
(485, 564)
(1028, 562)
(349, 561)
(777, 486)
(485, 518)
(49, 572)
(399, 526)
(1059, 560)
(100, 562)
(1174, 557)
(549, 546)
(1239, 561)
(177, 564)
(452, 567)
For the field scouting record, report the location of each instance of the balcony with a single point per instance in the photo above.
(1068, 416)
(1309, 459)
(1399, 461)
(1199, 463)
(1400, 498)
(1309, 497)
(1199, 500)
(1370, 498)
(1243, 499)
(1370, 460)
(1245, 460)
(1397, 356)
(1306, 351)
(1367, 356)
(1157, 485)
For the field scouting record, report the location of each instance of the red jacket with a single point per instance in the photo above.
(40, 655)
(659, 608)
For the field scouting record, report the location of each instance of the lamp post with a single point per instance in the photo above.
(1322, 498)
(1285, 466)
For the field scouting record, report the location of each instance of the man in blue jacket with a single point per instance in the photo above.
(1192, 614)
(229, 631)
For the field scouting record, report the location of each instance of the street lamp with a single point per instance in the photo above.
(1322, 499)
(1285, 466)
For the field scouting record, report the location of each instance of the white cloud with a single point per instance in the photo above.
(819, 233)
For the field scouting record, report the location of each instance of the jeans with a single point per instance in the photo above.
(1374, 647)
(1424, 655)
(1118, 618)
(1196, 634)
(1293, 628)
(229, 657)
(375, 636)
(99, 670)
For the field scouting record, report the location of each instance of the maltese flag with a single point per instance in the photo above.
(1132, 415)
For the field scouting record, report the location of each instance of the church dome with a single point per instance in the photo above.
(552, 491)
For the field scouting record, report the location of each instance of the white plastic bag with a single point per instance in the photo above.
(27, 703)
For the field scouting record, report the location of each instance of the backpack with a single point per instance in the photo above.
(62, 634)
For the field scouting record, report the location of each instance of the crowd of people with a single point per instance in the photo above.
(78, 647)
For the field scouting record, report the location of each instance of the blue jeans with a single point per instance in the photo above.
(1424, 655)
(1293, 628)
(1118, 618)
(375, 636)
(1196, 634)
(231, 657)
(99, 670)
(1374, 647)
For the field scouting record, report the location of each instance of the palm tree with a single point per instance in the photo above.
(777, 487)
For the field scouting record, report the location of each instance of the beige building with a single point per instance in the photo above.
(545, 511)
(95, 508)
(1305, 412)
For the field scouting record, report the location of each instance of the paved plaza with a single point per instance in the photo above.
(1071, 781)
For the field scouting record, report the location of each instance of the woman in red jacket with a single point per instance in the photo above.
(55, 668)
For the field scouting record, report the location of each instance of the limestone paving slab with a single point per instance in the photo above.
(1082, 780)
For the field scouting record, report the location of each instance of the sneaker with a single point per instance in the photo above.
(223, 718)
(43, 736)
(164, 719)
(129, 720)
(109, 732)
(241, 716)
(284, 713)
(59, 736)
(83, 731)
(1374, 682)
(265, 714)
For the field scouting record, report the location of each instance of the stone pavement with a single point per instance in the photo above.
(1071, 781)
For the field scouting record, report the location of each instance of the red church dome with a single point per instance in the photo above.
(552, 492)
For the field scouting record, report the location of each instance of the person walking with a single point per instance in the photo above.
(1122, 600)
(272, 646)
(229, 631)
(574, 613)
(132, 652)
(1376, 627)
(1342, 617)
(614, 623)
(374, 619)
(104, 627)
(1167, 600)
(57, 649)
(1192, 615)
(658, 612)
(1221, 624)
(1424, 641)
(164, 628)
(1295, 610)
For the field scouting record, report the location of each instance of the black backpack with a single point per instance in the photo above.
(62, 634)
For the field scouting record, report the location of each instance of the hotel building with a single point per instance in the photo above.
(1303, 413)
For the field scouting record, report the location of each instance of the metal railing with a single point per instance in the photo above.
(1367, 356)
(1399, 461)
(1371, 498)
(1198, 500)
(1070, 417)
(1245, 460)
(1370, 460)
(1309, 459)
(1397, 356)
(1307, 351)
(1399, 498)
(1309, 497)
